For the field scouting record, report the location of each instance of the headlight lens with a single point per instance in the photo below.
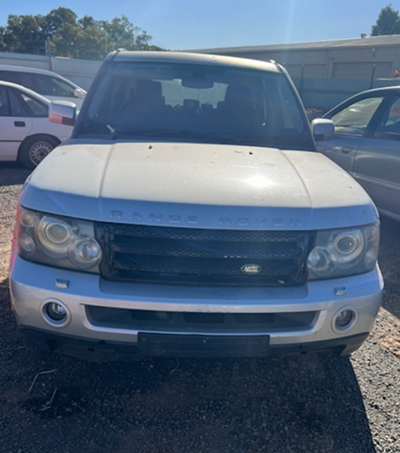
(85, 253)
(339, 253)
(58, 241)
(54, 235)
(348, 245)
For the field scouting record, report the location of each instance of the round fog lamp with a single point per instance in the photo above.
(344, 319)
(56, 311)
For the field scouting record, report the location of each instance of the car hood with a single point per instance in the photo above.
(197, 185)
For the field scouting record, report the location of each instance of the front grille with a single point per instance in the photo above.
(137, 253)
(165, 321)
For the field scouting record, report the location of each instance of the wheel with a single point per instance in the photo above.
(35, 149)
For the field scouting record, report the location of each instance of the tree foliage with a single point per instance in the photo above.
(69, 36)
(388, 22)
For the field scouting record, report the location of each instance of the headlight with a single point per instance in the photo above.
(339, 253)
(54, 235)
(58, 241)
(85, 253)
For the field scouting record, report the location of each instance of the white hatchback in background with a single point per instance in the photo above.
(47, 83)
(26, 133)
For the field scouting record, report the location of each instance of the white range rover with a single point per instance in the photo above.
(190, 215)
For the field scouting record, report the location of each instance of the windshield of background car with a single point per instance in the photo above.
(196, 103)
(53, 86)
(354, 119)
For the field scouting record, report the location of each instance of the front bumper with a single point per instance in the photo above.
(100, 351)
(33, 285)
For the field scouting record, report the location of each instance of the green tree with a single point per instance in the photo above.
(57, 19)
(120, 32)
(123, 34)
(91, 42)
(24, 34)
(72, 37)
(2, 43)
(388, 22)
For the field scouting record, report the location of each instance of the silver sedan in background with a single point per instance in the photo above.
(367, 144)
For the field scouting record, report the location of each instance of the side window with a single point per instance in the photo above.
(27, 80)
(10, 76)
(389, 127)
(52, 86)
(3, 102)
(354, 119)
(25, 105)
(21, 78)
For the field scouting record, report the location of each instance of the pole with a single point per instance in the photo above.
(371, 82)
(48, 54)
(301, 81)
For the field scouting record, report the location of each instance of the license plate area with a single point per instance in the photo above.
(179, 345)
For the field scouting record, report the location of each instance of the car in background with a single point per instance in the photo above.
(366, 144)
(46, 83)
(26, 133)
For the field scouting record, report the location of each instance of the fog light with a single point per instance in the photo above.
(56, 311)
(344, 319)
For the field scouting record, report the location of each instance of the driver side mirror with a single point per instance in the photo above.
(62, 112)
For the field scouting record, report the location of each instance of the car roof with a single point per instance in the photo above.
(7, 67)
(194, 58)
(32, 93)
(10, 68)
(362, 94)
(389, 89)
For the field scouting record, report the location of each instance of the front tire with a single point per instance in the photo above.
(35, 149)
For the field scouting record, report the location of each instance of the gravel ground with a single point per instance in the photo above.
(50, 403)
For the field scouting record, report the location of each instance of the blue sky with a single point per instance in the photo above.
(191, 24)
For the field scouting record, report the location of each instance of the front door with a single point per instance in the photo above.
(377, 162)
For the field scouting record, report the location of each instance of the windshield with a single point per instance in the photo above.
(196, 103)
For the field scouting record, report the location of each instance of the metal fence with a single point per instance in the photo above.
(319, 93)
(81, 72)
(326, 93)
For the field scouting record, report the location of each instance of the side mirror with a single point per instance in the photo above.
(62, 112)
(322, 129)
(79, 93)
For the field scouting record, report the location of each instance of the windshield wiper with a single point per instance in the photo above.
(113, 132)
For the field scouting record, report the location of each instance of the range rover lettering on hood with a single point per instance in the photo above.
(197, 186)
(175, 219)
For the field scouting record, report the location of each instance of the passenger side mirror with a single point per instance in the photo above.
(79, 93)
(62, 112)
(322, 129)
